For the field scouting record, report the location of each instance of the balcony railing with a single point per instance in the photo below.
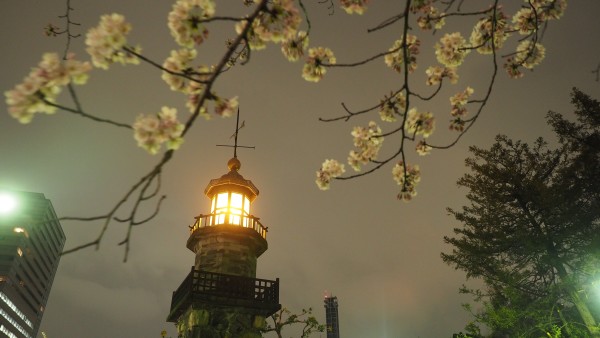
(225, 290)
(244, 221)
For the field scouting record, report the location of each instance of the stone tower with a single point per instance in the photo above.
(221, 296)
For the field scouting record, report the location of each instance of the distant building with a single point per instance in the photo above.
(31, 240)
(331, 316)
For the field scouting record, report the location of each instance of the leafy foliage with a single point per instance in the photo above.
(532, 228)
(284, 317)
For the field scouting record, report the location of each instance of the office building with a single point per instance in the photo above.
(31, 240)
(332, 319)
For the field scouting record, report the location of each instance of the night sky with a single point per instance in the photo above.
(378, 255)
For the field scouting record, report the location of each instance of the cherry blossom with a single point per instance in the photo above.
(395, 58)
(294, 47)
(407, 180)
(368, 141)
(330, 169)
(436, 73)
(185, 21)
(419, 123)
(105, 42)
(178, 62)
(391, 106)
(457, 124)
(226, 107)
(525, 21)
(431, 19)
(313, 68)
(459, 101)
(254, 40)
(481, 36)
(422, 148)
(513, 69)
(152, 131)
(280, 22)
(277, 24)
(43, 85)
(451, 50)
(354, 6)
(550, 9)
(529, 54)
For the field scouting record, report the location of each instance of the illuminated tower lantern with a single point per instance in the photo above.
(221, 297)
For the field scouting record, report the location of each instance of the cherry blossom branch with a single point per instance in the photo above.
(146, 181)
(51, 30)
(79, 111)
(159, 66)
(131, 219)
(350, 114)
(362, 62)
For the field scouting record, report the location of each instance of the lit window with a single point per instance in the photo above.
(236, 201)
(246, 205)
(222, 200)
(230, 207)
(20, 252)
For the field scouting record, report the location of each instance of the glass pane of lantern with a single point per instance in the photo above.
(235, 220)
(236, 201)
(222, 200)
(212, 207)
(220, 219)
(246, 205)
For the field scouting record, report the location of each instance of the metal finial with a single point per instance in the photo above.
(235, 146)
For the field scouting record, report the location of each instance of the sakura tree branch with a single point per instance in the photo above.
(145, 182)
(79, 111)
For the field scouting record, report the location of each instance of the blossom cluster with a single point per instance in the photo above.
(330, 169)
(391, 106)
(41, 87)
(185, 21)
(313, 69)
(436, 73)
(294, 47)
(106, 41)
(419, 123)
(407, 177)
(368, 141)
(423, 148)
(482, 35)
(527, 55)
(459, 110)
(395, 57)
(354, 6)
(432, 18)
(452, 50)
(152, 131)
(277, 24)
(178, 63)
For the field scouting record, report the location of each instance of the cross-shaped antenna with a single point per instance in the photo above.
(235, 134)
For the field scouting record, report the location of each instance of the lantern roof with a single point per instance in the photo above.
(231, 181)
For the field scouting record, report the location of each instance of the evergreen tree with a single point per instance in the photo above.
(531, 230)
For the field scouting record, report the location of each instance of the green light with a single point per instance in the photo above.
(8, 203)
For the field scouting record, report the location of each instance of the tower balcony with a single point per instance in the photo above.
(217, 289)
(244, 221)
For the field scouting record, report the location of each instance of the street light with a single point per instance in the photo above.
(8, 203)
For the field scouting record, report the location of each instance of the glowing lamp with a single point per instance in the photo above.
(231, 196)
(8, 203)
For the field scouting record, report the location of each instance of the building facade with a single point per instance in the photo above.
(332, 318)
(31, 240)
(221, 296)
